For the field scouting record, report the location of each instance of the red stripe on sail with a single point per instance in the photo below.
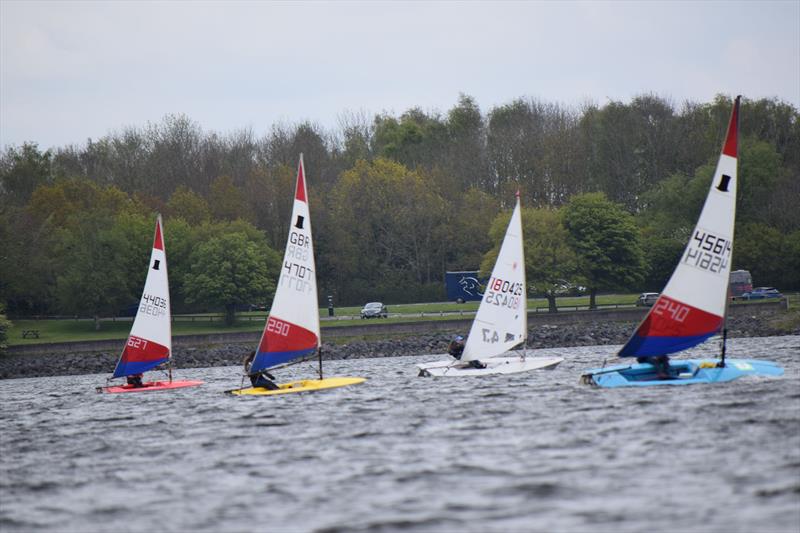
(671, 318)
(138, 350)
(730, 147)
(158, 241)
(300, 192)
(282, 336)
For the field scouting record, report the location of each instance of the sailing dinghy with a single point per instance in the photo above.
(502, 319)
(292, 329)
(150, 341)
(693, 305)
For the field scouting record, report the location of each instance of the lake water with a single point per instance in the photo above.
(528, 452)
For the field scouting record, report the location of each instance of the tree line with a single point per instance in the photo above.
(611, 193)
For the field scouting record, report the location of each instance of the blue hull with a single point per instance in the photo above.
(682, 372)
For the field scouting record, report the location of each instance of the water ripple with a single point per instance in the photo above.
(534, 451)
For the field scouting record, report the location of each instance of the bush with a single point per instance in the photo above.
(5, 324)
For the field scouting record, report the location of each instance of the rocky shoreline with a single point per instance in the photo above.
(540, 336)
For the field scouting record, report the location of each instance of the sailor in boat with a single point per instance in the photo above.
(261, 379)
(660, 365)
(135, 381)
(456, 348)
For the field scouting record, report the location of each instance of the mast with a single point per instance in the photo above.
(524, 302)
(693, 305)
(292, 329)
(731, 148)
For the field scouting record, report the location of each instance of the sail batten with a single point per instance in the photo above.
(292, 328)
(692, 306)
(500, 323)
(149, 343)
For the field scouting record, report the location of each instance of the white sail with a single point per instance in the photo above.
(501, 321)
(292, 328)
(150, 341)
(691, 308)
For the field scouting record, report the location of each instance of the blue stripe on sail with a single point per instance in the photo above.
(649, 346)
(132, 367)
(264, 360)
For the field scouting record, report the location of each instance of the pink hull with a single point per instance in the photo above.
(151, 386)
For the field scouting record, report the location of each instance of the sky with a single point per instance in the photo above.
(72, 71)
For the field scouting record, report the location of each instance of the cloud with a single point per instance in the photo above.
(72, 70)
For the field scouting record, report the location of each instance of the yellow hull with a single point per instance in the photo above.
(304, 385)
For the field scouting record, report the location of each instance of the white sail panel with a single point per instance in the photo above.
(501, 321)
(150, 340)
(292, 328)
(701, 278)
(691, 308)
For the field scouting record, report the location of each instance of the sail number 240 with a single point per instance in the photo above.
(677, 311)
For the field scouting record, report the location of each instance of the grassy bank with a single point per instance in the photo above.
(69, 330)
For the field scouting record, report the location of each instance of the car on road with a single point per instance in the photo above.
(760, 293)
(375, 310)
(647, 299)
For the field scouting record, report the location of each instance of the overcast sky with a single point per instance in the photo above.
(70, 71)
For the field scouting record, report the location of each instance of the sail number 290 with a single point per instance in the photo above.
(277, 326)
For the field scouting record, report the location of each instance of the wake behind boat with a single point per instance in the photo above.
(149, 344)
(693, 305)
(292, 330)
(501, 322)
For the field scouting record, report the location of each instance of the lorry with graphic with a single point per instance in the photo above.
(464, 286)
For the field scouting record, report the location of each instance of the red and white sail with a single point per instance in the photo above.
(150, 341)
(692, 306)
(501, 322)
(292, 328)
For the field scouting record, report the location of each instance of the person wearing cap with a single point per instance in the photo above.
(261, 379)
(135, 381)
(456, 346)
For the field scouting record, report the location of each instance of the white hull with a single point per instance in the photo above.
(494, 365)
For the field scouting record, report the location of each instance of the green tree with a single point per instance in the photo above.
(63, 238)
(606, 241)
(5, 325)
(93, 276)
(385, 225)
(760, 249)
(227, 201)
(231, 270)
(22, 171)
(791, 281)
(466, 236)
(549, 261)
(188, 205)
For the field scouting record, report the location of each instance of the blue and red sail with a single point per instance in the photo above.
(670, 327)
(292, 328)
(150, 341)
(692, 306)
(139, 356)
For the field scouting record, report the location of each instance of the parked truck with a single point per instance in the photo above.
(740, 282)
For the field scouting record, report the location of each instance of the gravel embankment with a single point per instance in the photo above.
(540, 336)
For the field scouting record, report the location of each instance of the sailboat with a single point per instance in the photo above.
(501, 322)
(292, 328)
(693, 305)
(149, 343)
